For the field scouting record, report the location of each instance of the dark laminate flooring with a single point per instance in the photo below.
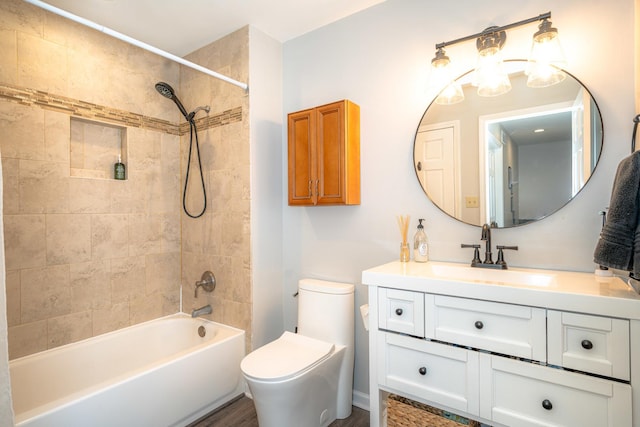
(242, 413)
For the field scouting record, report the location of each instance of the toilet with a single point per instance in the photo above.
(306, 379)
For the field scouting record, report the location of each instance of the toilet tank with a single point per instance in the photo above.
(326, 311)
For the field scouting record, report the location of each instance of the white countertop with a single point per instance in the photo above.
(555, 289)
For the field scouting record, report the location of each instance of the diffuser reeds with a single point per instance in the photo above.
(403, 226)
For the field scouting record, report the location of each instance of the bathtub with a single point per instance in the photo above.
(158, 373)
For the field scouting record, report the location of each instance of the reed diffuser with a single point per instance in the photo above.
(403, 225)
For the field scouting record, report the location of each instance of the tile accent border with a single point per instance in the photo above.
(87, 110)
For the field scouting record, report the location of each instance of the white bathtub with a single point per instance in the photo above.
(158, 373)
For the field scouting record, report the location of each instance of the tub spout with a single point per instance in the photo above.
(202, 310)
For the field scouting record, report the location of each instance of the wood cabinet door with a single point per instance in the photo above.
(330, 150)
(302, 164)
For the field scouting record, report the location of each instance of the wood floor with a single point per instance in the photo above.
(242, 413)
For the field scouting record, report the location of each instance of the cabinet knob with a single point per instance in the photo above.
(399, 311)
(546, 404)
(422, 371)
(586, 344)
(479, 325)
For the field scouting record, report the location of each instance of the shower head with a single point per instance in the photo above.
(167, 91)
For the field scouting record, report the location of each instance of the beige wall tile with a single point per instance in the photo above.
(44, 187)
(128, 279)
(68, 238)
(56, 137)
(13, 298)
(126, 196)
(88, 195)
(110, 319)
(109, 236)
(24, 241)
(163, 273)
(45, 293)
(10, 185)
(90, 285)
(42, 64)
(27, 338)
(15, 15)
(145, 234)
(70, 328)
(145, 308)
(22, 130)
(170, 302)
(9, 55)
(237, 314)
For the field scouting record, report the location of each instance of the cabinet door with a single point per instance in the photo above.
(338, 153)
(435, 373)
(515, 393)
(302, 163)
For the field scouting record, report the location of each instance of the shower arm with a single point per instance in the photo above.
(192, 114)
(135, 42)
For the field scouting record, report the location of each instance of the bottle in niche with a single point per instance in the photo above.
(118, 169)
(420, 244)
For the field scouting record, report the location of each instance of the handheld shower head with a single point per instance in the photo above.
(167, 91)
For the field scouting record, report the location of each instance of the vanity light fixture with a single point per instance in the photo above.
(490, 77)
(546, 59)
(441, 76)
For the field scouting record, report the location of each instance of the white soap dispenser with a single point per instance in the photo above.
(420, 244)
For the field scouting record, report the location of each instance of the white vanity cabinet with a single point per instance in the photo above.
(508, 355)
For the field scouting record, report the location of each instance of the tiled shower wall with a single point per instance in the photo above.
(86, 256)
(220, 240)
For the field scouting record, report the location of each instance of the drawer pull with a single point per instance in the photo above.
(546, 404)
(479, 325)
(399, 311)
(586, 344)
(422, 371)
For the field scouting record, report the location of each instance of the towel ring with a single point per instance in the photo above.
(636, 119)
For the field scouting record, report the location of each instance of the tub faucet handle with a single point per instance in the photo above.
(207, 282)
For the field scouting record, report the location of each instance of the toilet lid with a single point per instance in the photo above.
(285, 357)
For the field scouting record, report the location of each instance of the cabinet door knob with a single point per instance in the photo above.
(586, 344)
(422, 371)
(479, 325)
(546, 404)
(399, 311)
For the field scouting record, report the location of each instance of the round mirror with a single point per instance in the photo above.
(511, 159)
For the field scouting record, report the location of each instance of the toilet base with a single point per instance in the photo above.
(309, 399)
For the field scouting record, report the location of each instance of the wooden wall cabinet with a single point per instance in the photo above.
(324, 155)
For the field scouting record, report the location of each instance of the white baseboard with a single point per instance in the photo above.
(360, 400)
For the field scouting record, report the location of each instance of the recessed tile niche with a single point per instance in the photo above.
(95, 148)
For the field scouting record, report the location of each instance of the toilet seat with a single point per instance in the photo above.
(285, 357)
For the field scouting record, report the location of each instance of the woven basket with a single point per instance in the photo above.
(403, 412)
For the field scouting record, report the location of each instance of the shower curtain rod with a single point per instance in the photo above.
(135, 42)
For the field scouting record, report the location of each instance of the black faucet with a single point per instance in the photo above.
(486, 236)
(488, 262)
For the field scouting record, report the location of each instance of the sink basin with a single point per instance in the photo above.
(511, 277)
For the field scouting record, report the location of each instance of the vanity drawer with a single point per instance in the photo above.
(595, 344)
(438, 373)
(401, 311)
(513, 330)
(523, 394)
